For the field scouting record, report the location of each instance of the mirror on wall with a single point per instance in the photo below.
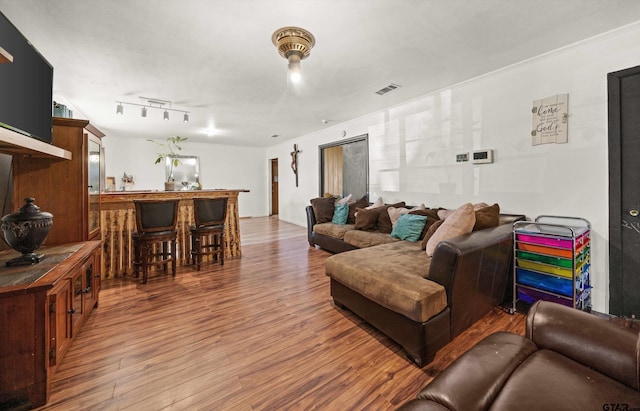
(344, 167)
(186, 173)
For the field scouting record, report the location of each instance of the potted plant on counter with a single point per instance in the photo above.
(169, 150)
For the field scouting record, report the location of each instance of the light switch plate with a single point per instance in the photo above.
(462, 157)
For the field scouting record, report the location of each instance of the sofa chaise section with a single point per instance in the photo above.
(437, 297)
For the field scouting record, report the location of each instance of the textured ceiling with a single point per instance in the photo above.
(215, 59)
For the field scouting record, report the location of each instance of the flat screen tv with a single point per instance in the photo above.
(26, 86)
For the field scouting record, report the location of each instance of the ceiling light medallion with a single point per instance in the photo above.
(294, 44)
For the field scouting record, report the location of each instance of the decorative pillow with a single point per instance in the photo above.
(460, 222)
(395, 213)
(323, 209)
(376, 204)
(340, 214)
(409, 227)
(432, 218)
(384, 221)
(366, 219)
(362, 203)
(345, 200)
(443, 213)
(430, 231)
(487, 217)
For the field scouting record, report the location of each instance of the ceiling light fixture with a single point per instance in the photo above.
(294, 44)
(153, 103)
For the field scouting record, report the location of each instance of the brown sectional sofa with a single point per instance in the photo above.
(568, 360)
(421, 302)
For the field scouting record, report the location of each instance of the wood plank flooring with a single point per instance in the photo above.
(259, 333)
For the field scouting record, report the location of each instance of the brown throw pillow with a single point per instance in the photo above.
(457, 223)
(384, 221)
(323, 209)
(362, 203)
(366, 220)
(432, 218)
(487, 217)
(432, 229)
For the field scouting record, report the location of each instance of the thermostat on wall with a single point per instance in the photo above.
(482, 157)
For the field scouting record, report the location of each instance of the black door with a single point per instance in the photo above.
(624, 192)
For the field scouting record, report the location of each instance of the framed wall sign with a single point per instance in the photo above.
(550, 120)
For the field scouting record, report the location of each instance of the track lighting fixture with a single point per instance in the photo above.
(153, 103)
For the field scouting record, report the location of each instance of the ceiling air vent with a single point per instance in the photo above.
(387, 89)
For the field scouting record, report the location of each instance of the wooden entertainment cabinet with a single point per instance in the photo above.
(42, 308)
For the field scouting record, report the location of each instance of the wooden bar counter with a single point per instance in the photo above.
(118, 221)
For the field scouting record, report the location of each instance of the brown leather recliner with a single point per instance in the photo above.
(568, 360)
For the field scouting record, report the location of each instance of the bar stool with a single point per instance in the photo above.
(207, 235)
(154, 242)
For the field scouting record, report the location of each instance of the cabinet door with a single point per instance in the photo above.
(94, 156)
(60, 313)
(92, 282)
(77, 301)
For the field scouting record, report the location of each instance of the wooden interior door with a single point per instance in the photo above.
(274, 186)
(624, 193)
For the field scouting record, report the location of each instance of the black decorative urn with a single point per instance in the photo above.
(25, 231)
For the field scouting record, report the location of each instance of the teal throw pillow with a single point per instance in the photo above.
(409, 227)
(340, 214)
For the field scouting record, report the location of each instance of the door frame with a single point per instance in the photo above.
(615, 187)
(272, 162)
(362, 137)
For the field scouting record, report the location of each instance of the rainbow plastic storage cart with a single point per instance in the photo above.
(552, 261)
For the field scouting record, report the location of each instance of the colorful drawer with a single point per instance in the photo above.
(558, 252)
(556, 242)
(530, 296)
(558, 285)
(545, 259)
(545, 268)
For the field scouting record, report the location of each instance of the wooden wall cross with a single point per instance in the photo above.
(294, 161)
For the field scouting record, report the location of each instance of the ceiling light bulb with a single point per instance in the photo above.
(166, 115)
(294, 67)
(186, 117)
(143, 112)
(119, 109)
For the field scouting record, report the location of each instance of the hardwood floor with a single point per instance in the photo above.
(259, 333)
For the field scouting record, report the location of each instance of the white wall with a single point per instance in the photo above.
(412, 146)
(221, 166)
